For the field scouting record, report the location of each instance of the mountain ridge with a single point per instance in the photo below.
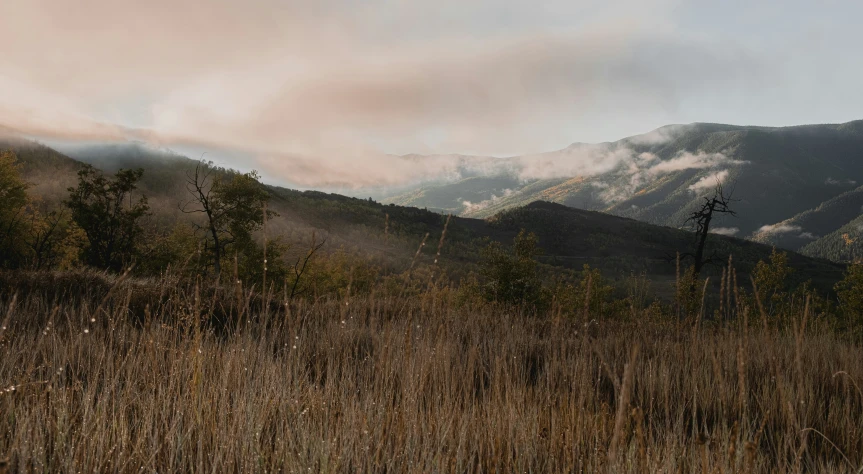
(389, 233)
(775, 173)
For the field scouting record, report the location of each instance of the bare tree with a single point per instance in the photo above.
(719, 203)
(200, 185)
(233, 204)
(302, 263)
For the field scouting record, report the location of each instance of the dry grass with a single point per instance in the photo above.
(380, 385)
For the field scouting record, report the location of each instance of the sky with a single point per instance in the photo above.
(323, 93)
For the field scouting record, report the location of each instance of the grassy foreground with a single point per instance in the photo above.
(183, 379)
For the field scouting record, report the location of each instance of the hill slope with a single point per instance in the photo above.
(775, 173)
(48, 171)
(390, 233)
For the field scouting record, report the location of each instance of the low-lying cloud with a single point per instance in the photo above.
(783, 229)
(728, 231)
(323, 94)
(709, 182)
(839, 182)
(779, 229)
(470, 207)
(632, 171)
(628, 169)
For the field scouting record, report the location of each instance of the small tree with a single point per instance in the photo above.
(233, 205)
(13, 199)
(511, 276)
(850, 293)
(53, 240)
(770, 280)
(104, 209)
(177, 249)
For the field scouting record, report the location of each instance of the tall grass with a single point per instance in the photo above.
(186, 378)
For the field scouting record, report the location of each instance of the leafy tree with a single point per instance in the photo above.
(53, 240)
(594, 291)
(770, 280)
(335, 274)
(13, 199)
(469, 293)
(688, 294)
(103, 208)
(233, 204)
(178, 248)
(511, 274)
(589, 297)
(850, 293)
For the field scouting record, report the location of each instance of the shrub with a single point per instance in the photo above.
(850, 293)
(511, 275)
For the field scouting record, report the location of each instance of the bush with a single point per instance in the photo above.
(770, 281)
(511, 275)
(850, 293)
(13, 198)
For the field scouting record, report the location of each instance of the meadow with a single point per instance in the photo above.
(107, 373)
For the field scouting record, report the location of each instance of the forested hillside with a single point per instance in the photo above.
(391, 233)
(792, 185)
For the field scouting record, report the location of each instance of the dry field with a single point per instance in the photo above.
(377, 384)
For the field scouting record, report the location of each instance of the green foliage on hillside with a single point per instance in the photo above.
(109, 216)
(850, 292)
(30, 235)
(511, 275)
(13, 198)
(845, 244)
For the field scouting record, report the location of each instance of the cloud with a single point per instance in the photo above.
(687, 161)
(709, 182)
(837, 182)
(729, 231)
(478, 206)
(779, 229)
(323, 93)
(627, 169)
(633, 171)
(808, 236)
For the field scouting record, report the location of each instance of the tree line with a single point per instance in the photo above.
(100, 225)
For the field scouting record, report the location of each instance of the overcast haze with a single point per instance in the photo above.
(318, 93)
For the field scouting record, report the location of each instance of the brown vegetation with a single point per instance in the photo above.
(168, 376)
(473, 357)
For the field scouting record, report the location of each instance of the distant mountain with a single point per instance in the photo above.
(826, 218)
(390, 234)
(842, 245)
(793, 185)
